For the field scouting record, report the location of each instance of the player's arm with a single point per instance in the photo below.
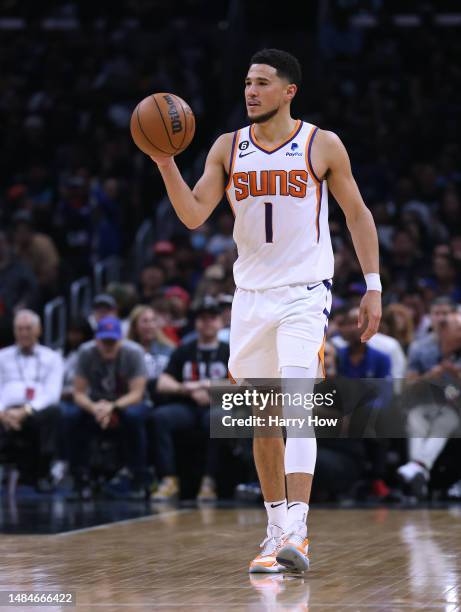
(194, 207)
(359, 221)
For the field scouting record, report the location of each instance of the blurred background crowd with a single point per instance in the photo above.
(74, 191)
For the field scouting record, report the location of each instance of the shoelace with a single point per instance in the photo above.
(270, 544)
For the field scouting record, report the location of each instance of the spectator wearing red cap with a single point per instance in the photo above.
(179, 301)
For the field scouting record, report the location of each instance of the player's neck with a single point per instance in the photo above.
(275, 130)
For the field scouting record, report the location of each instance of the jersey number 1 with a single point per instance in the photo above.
(268, 218)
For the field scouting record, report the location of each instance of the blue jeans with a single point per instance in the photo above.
(81, 428)
(170, 419)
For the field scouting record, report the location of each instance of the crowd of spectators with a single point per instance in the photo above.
(74, 190)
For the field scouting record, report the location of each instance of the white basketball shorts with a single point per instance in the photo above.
(273, 328)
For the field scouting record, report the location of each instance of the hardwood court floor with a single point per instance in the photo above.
(197, 559)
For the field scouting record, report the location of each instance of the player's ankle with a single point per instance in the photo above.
(277, 513)
(297, 511)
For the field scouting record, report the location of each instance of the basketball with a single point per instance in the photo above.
(162, 125)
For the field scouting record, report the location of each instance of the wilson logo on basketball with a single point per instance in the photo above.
(176, 124)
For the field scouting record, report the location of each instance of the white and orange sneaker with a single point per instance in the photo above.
(293, 553)
(265, 562)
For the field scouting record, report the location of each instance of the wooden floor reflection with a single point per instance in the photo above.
(197, 559)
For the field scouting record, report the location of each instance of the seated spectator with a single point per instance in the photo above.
(165, 254)
(109, 392)
(104, 305)
(151, 282)
(38, 251)
(225, 303)
(397, 323)
(179, 301)
(222, 239)
(426, 353)
(434, 360)
(414, 301)
(359, 360)
(405, 261)
(79, 331)
(30, 389)
(444, 280)
(162, 307)
(145, 329)
(107, 211)
(74, 223)
(18, 287)
(186, 380)
(383, 343)
(126, 298)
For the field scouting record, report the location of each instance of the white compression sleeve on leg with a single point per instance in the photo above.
(300, 453)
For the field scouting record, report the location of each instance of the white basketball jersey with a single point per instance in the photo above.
(281, 212)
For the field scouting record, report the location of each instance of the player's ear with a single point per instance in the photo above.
(291, 90)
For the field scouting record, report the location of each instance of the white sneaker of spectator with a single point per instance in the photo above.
(58, 471)
(416, 478)
(454, 492)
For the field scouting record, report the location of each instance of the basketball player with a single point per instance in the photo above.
(276, 173)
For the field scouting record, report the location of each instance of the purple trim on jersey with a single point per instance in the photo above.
(234, 139)
(327, 284)
(309, 156)
(301, 123)
(320, 208)
(326, 313)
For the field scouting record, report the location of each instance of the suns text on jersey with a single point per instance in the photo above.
(270, 182)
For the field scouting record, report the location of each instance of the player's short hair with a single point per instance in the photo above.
(287, 65)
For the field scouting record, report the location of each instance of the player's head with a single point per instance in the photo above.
(271, 83)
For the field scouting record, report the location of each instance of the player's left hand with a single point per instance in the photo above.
(370, 314)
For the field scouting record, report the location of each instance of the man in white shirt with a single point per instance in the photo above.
(31, 378)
